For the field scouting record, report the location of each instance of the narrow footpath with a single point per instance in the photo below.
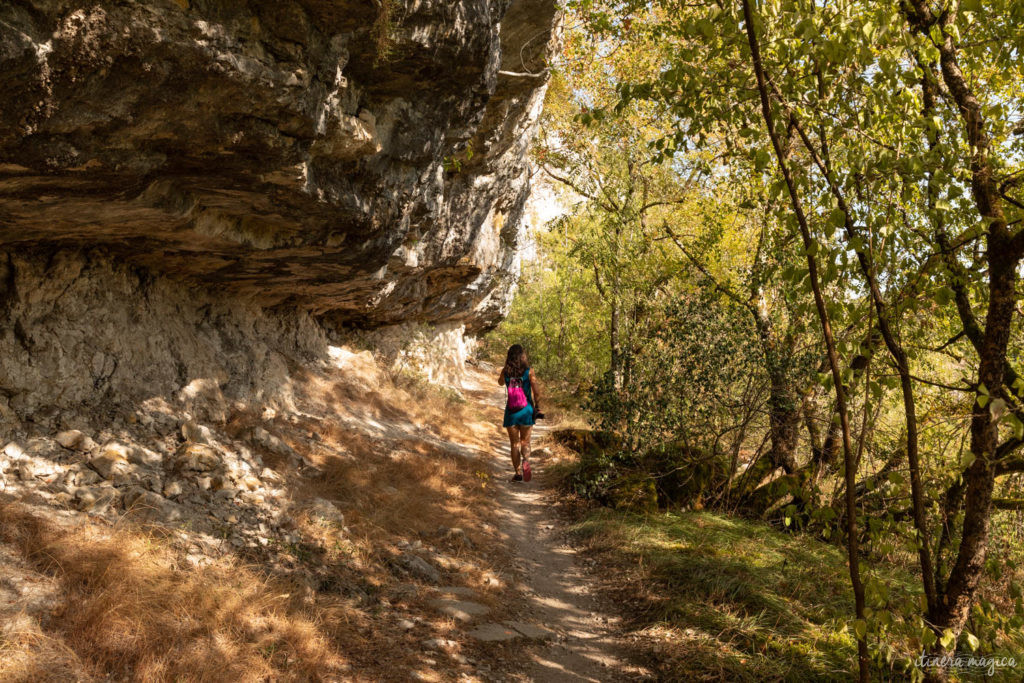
(579, 637)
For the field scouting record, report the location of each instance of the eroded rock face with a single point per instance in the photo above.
(84, 329)
(305, 154)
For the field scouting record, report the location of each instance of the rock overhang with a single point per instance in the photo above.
(280, 151)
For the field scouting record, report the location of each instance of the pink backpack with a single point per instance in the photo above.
(516, 396)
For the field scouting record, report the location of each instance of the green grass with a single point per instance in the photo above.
(720, 598)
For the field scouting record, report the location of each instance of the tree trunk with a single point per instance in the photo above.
(826, 328)
(1003, 253)
(616, 345)
(783, 405)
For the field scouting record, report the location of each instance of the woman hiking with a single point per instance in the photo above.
(522, 406)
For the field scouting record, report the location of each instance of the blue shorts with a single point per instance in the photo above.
(522, 417)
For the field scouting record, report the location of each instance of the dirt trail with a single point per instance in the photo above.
(553, 584)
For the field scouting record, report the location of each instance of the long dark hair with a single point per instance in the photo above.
(515, 361)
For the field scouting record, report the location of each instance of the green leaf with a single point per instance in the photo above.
(860, 628)
(948, 639)
(761, 159)
(837, 217)
(1016, 425)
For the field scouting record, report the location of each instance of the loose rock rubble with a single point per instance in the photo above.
(188, 475)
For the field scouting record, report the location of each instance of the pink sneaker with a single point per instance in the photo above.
(526, 470)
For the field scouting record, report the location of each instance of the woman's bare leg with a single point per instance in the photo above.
(514, 443)
(524, 441)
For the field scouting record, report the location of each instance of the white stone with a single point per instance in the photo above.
(197, 457)
(111, 462)
(75, 440)
(439, 644)
(143, 456)
(196, 432)
(417, 566)
(325, 510)
(463, 610)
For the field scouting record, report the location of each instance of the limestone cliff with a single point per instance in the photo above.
(360, 160)
(192, 188)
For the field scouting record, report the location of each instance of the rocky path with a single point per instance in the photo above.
(578, 637)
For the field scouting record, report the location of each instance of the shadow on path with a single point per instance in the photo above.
(585, 647)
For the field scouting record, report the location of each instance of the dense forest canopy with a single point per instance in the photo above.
(788, 286)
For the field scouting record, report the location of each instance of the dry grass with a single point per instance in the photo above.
(130, 607)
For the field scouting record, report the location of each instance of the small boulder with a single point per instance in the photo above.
(197, 457)
(196, 433)
(226, 494)
(112, 461)
(252, 498)
(325, 510)
(151, 506)
(143, 456)
(259, 436)
(250, 482)
(271, 476)
(172, 489)
(74, 440)
(62, 499)
(163, 423)
(25, 470)
(94, 498)
(152, 481)
(84, 476)
(419, 567)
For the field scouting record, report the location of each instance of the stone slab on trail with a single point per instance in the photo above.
(493, 633)
(531, 631)
(463, 610)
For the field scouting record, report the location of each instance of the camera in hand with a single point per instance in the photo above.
(538, 415)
